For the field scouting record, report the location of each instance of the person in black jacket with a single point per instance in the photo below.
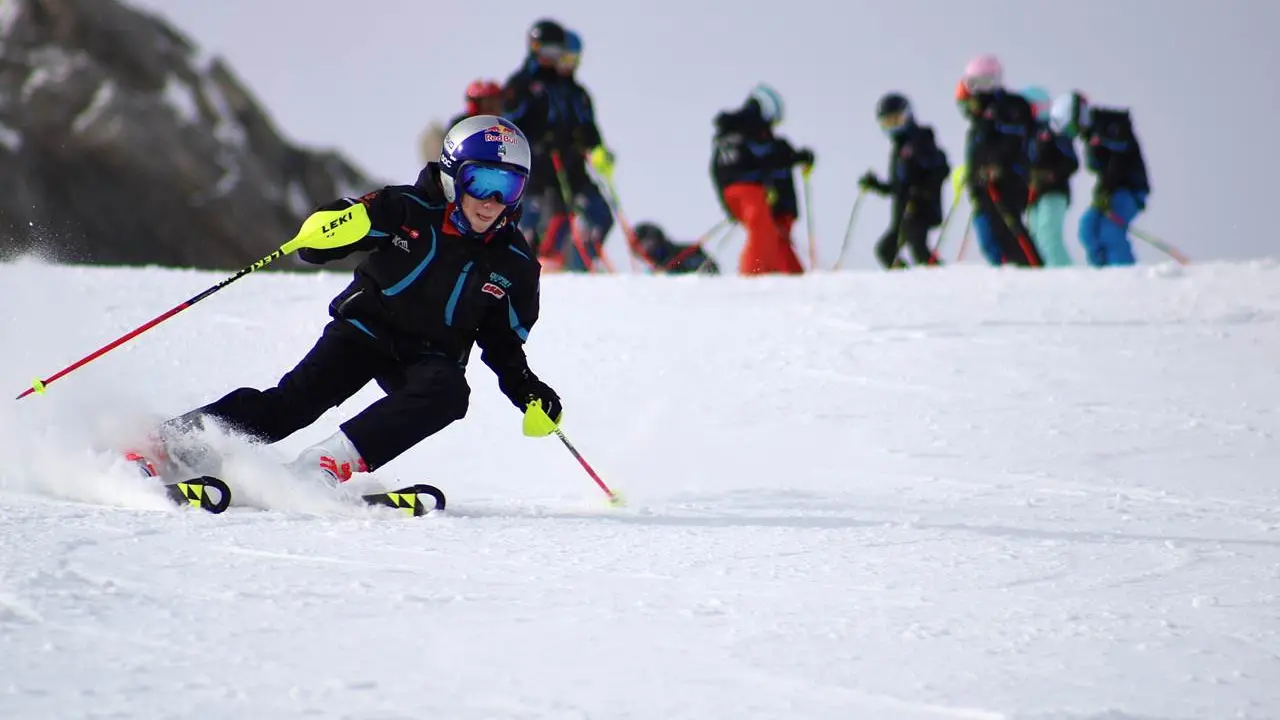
(527, 101)
(1121, 188)
(747, 160)
(446, 269)
(917, 170)
(996, 147)
(543, 98)
(588, 218)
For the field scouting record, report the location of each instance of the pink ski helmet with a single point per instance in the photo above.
(983, 74)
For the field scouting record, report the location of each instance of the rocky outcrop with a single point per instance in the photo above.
(122, 143)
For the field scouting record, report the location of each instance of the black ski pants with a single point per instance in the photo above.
(424, 395)
(913, 233)
(1005, 217)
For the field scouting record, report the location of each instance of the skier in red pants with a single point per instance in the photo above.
(748, 159)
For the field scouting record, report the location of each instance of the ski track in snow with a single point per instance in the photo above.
(958, 494)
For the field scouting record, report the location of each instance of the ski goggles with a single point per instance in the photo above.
(981, 83)
(550, 54)
(485, 182)
(568, 61)
(894, 121)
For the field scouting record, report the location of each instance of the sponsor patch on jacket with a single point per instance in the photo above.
(494, 290)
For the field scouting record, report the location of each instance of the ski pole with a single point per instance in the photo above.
(628, 231)
(719, 243)
(614, 498)
(1165, 247)
(674, 262)
(1014, 226)
(942, 231)
(603, 173)
(968, 233)
(324, 230)
(579, 240)
(848, 231)
(538, 424)
(807, 188)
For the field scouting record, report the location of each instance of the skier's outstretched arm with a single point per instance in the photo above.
(386, 213)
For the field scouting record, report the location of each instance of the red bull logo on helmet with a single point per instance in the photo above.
(500, 133)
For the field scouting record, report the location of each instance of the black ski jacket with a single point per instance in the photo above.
(425, 288)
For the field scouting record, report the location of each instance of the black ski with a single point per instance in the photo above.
(409, 499)
(207, 493)
(214, 495)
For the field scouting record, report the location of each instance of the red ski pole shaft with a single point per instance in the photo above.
(326, 229)
(39, 385)
(674, 262)
(575, 233)
(586, 466)
(1014, 226)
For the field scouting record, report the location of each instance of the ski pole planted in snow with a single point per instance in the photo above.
(942, 231)
(1159, 244)
(807, 188)
(324, 230)
(538, 424)
(848, 231)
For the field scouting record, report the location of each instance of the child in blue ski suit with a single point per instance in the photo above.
(1120, 192)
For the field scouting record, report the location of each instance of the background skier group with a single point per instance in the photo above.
(1019, 158)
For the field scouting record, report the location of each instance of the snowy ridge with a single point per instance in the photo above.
(965, 493)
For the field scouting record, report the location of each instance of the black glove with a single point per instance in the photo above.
(869, 181)
(804, 156)
(540, 391)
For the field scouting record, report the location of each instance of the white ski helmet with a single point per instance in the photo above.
(770, 103)
(1070, 114)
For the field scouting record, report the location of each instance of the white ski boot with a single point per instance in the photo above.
(332, 461)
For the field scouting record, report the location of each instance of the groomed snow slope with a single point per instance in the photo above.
(964, 493)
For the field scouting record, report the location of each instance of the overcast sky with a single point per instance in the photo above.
(1198, 75)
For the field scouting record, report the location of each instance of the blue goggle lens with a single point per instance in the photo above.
(484, 182)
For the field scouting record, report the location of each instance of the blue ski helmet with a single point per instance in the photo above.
(568, 62)
(485, 157)
(1040, 101)
(572, 42)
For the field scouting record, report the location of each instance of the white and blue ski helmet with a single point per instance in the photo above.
(1070, 114)
(769, 101)
(486, 157)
